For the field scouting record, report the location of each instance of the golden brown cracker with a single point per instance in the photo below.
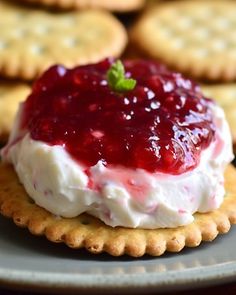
(32, 39)
(113, 5)
(88, 232)
(225, 95)
(194, 37)
(11, 94)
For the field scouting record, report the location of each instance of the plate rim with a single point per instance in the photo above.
(165, 281)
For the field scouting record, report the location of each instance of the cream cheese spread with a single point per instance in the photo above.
(120, 196)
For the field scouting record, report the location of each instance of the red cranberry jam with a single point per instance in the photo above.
(162, 125)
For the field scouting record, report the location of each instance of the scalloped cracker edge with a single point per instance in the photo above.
(33, 39)
(194, 37)
(88, 232)
(113, 5)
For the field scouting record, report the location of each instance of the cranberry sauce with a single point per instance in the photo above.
(162, 125)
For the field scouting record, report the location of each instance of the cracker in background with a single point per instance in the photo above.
(11, 94)
(194, 37)
(31, 39)
(90, 233)
(225, 95)
(114, 5)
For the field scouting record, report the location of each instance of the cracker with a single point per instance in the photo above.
(194, 37)
(31, 39)
(225, 95)
(11, 94)
(88, 232)
(114, 5)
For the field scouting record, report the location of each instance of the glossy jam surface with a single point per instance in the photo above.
(160, 126)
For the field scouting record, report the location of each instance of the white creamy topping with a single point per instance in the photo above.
(117, 195)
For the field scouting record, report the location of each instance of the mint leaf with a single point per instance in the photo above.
(117, 80)
(125, 85)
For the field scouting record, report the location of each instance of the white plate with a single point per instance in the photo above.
(33, 262)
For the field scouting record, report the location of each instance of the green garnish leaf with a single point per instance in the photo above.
(117, 80)
(125, 85)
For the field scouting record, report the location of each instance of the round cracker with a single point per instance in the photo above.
(113, 5)
(11, 94)
(225, 95)
(195, 37)
(31, 39)
(90, 233)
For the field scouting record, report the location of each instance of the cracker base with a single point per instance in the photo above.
(90, 233)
